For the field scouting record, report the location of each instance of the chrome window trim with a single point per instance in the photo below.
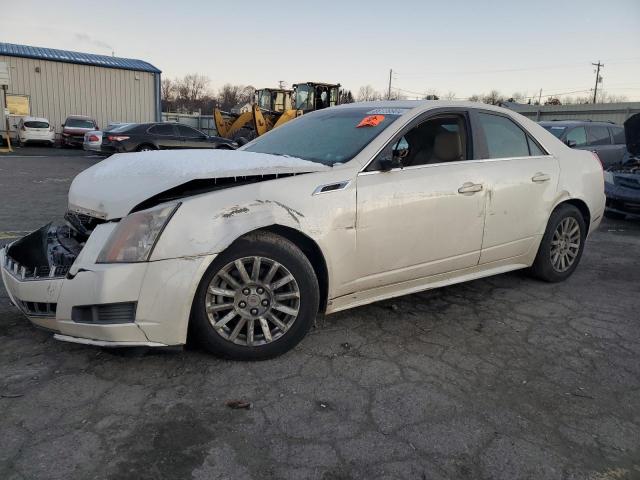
(466, 162)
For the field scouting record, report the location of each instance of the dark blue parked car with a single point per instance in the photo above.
(622, 181)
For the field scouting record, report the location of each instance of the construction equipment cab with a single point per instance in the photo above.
(273, 99)
(312, 96)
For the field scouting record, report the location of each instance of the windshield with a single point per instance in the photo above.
(304, 97)
(327, 136)
(556, 130)
(79, 123)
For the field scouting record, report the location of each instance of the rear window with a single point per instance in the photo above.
(557, 131)
(34, 124)
(618, 135)
(504, 138)
(598, 135)
(79, 123)
(124, 127)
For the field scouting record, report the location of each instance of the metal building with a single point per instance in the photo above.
(50, 83)
(599, 112)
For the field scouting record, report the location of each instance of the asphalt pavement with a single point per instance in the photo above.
(500, 378)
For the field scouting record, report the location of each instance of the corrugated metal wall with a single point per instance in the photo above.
(600, 112)
(62, 89)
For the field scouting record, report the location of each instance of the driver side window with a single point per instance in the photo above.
(437, 140)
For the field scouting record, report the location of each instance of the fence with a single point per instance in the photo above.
(204, 123)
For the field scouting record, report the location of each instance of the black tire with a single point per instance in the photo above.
(614, 215)
(543, 267)
(145, 147)
(269, 247)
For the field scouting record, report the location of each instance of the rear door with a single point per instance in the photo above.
(599, 141)
(164, 136)
(192, 138)
(522, 180)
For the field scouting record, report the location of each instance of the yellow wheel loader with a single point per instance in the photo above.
(274, 107)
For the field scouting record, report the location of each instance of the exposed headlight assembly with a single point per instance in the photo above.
(136, 235)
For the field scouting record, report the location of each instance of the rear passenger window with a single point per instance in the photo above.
(164, 130)
(504, 138)
(578, 135)
(534, 149)
(598, 135)
(618, 135)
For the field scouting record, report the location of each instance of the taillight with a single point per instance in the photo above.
(117, 138)
(93, 138)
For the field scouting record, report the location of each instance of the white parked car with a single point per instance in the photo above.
(35, 130)
(336, 209)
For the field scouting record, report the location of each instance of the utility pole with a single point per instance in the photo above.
(540, 98)
(389, 93)
(595, 90)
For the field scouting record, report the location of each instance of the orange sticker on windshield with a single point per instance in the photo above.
(371, 121)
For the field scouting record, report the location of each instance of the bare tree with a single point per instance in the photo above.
(193, 86)
(474, 98)
(493, 98)
(167, 89)
(450, 95)
(368, 93)
(231, 95)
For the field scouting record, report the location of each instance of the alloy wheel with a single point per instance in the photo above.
(565, 244)
(252, 301)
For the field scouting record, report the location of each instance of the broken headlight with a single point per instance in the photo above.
(135, 236)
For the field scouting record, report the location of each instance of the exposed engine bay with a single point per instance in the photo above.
(52, 249)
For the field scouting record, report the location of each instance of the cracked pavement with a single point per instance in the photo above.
(501, 378)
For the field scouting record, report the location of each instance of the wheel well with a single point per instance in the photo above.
(312, 251)
(146, 144)
(584, 210)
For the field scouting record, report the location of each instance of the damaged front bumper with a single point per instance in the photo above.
(57, 284)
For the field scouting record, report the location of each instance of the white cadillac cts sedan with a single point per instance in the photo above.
(336, 209)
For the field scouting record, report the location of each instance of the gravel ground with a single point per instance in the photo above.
(502, 378)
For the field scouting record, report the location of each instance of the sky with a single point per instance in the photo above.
(457, 46)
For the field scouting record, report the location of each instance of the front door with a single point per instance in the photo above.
(425, 217)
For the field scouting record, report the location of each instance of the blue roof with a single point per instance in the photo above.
(67, 56)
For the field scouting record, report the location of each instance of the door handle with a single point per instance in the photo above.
(470, 187)
(540, 177)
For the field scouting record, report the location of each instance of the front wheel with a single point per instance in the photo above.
(561, 246)
(257, 300)
(145, 148)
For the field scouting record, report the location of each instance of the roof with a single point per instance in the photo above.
(568, 123)
(66, 56)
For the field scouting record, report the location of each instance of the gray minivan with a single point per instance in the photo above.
(604, 138)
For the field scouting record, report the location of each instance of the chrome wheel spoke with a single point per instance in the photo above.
(250, 327)
(222, 292)
(287, 296)
(285, 309)
(224, 320)
(276, 321)
(271, 273)
(229, 279)
(242, 271)
(212, 307)
(237, 329)
(282, 282)
(265, 329)
(255, 271)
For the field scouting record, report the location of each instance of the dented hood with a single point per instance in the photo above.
(113, 187)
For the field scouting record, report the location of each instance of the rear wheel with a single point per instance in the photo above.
(145, 148)
(561, 246)
(257, 300)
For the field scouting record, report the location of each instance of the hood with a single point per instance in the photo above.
(632, 134)
(113, 187)
(77, 131)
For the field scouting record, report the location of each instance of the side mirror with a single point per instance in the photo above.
(571, 143)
